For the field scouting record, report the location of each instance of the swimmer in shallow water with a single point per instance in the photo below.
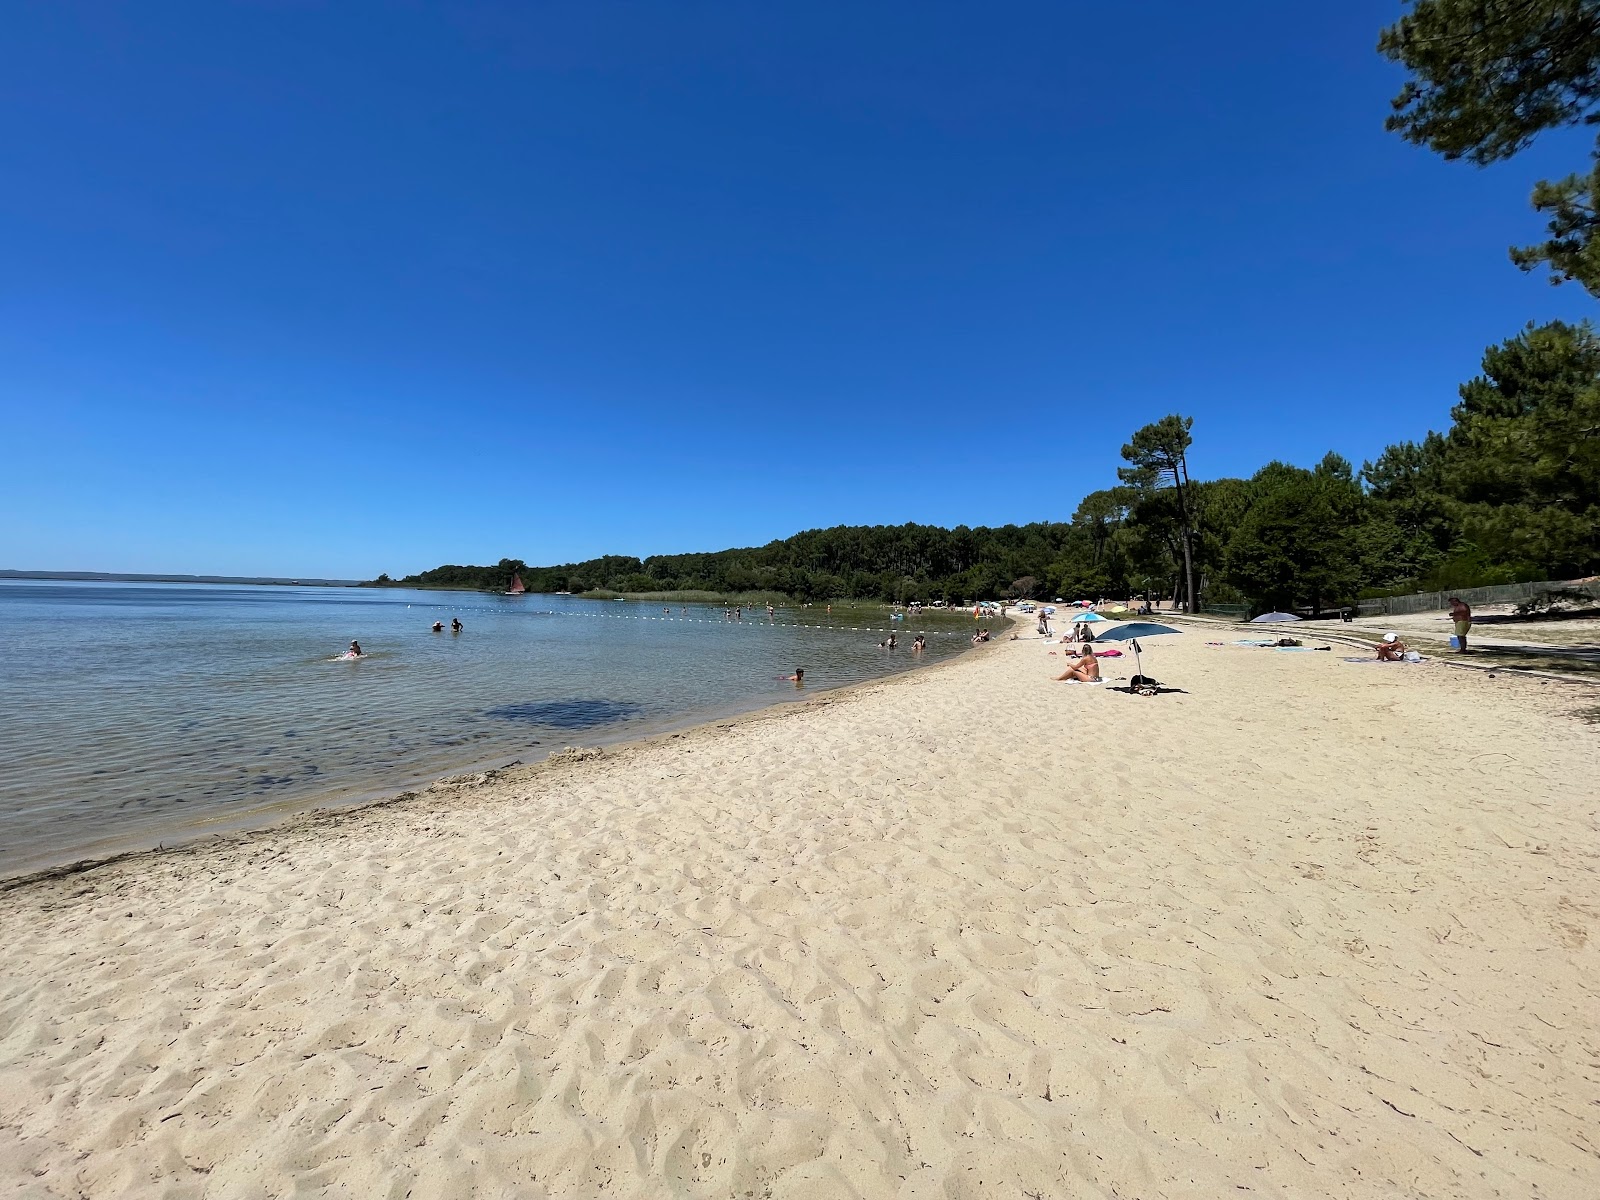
(798, 678)
(438, 626)
(455, 625)
(355, 650)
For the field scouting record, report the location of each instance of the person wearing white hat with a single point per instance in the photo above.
(1391, 649)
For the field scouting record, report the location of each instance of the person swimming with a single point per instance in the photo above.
(920, 642)
(355, 650)
(799, 676)
(888, 643)
(455, 625)
(438, 626)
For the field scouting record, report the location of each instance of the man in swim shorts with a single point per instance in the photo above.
(1461, 617)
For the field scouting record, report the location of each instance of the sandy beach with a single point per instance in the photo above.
(1308, 928)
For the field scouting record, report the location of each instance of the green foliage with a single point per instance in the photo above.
(1510, 493)
(1469, 567)
(1158, 453)
(482, 579)
(1522, 462)
(885, 562)
(1488, 76)
(1292, 547)
(1573, 206)
(1554, 601)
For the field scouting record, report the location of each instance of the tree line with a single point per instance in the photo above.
(1510, 491)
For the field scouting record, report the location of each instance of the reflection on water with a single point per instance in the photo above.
(135, 709)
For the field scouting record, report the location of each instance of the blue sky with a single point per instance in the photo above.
(334, 289)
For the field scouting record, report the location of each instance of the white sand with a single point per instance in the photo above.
(1313, 929)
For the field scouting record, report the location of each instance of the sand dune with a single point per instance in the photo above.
(1309, 929)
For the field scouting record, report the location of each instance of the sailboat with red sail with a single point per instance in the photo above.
(516, 588)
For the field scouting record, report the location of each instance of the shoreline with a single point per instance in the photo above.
(1300, 927)
(201, 832)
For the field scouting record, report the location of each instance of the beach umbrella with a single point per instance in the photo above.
(1132, 632)
(1088, 618)
(1273, 618)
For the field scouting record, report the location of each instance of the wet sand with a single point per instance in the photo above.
(1307, 928)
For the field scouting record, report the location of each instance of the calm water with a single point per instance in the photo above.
(136, 713)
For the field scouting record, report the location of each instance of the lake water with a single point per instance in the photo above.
(139, 713)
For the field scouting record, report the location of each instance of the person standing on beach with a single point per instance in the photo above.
(1461, 615)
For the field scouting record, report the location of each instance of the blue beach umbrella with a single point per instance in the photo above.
(1273, 618)
(1132, 632)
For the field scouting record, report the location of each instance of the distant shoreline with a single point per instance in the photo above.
(129, 577)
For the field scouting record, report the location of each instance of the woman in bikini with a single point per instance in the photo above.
(1085, 668)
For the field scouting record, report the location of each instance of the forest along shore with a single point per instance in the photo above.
(1303, 926)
